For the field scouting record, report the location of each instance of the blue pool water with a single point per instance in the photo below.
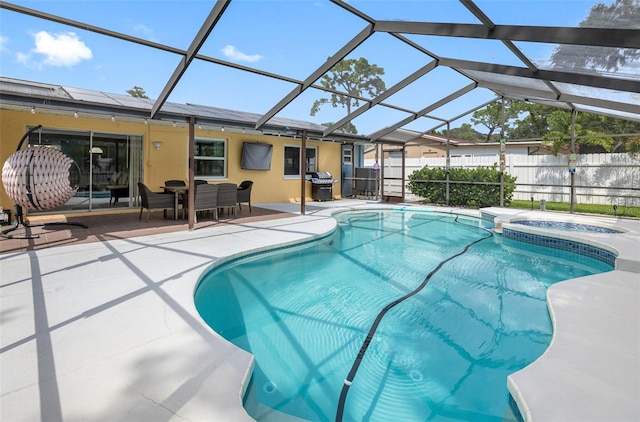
(559, 225)
(441, 354)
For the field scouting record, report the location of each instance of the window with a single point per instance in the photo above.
(292, 160)
(210, 158)
(347, 156)
(396, 154)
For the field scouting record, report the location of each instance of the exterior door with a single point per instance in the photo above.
(347, 171)
(108, 165)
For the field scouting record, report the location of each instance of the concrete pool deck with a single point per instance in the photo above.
(109, 330)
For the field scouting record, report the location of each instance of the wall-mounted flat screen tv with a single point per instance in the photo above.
(256, 156)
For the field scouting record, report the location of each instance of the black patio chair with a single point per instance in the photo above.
(228, 197)
(154, 201)
(206, 199)
(244, 193)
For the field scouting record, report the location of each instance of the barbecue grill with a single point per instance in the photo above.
(321, 185)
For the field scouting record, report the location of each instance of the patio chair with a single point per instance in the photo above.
(206, 199)
(228, 197)
(174, 183)
(244, 193)
(154, 201)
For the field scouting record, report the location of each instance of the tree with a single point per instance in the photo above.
(559, 135)
(630, 144)
(465, 132)
(491, 116)
(538, 121)
(633, 146)
(137, 92)
(620, 14)
(347, 127)
(357, 78)
(531, 121)
(596, 127)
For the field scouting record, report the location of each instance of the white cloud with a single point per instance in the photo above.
(3, 42)
(23, 58)
(63, 49)
(144, 31)
(230, 52)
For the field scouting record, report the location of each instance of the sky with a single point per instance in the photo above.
(288, 37)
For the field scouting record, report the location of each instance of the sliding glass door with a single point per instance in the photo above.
(108, 166)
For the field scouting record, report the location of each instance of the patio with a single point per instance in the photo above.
(114, 226)
(108, 330)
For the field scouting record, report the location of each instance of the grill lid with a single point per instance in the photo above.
(321, 178)
(320, 175)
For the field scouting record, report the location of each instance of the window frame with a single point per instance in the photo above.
(312, 168)
(347, 156)
(224, 158)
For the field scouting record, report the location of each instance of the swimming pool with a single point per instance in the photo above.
(443, 353)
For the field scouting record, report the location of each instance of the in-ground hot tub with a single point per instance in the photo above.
(560, 225)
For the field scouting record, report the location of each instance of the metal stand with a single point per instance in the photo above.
(20, 222)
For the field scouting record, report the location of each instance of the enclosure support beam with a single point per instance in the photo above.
(447, 168)
(404, 170)
(382, 172)
(377, 167)
(196, 44)
(317, 74)
(572, 172)
(191, 193)
(303, 171)
(503, 154)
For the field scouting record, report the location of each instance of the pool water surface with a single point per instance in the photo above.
(441, 354)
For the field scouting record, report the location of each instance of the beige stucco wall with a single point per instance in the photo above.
(412, 151)
(170, 161)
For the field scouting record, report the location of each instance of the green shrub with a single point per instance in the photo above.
(429, 183)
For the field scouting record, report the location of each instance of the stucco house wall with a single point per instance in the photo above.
(171, 160)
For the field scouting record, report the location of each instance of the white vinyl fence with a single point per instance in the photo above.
(612, 179)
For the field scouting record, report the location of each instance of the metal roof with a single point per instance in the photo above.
(518, 74)
(48, 96)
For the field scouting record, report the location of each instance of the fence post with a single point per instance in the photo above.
(572, 169)
(503, 148)
(503, 151)
(382, 171)
(404, 167)
(447, 169)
